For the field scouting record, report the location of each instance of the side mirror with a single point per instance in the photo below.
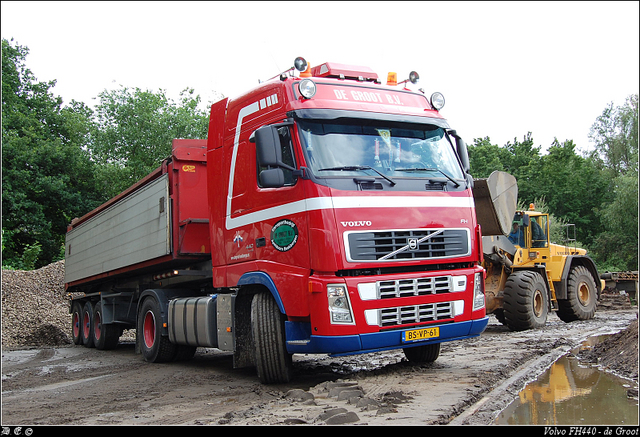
(463, 153)
(272, 178)
(268, 147)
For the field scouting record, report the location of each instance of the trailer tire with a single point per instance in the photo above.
(155, 347)
(526, 301)
(76, 322)
(273, 363)
(87, 325)
(581, 296)
(422, 354)
(105, 337)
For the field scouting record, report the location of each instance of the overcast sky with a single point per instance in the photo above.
(504, 68)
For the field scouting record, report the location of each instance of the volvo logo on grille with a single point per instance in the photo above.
(413, 243)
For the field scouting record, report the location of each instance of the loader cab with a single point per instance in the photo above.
(530, 230)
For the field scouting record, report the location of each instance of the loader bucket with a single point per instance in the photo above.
(496, 199)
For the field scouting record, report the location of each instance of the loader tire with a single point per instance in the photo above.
(581, 296)
(87, 325)
(155, 347)
(76, 323)
(423, 354)
(273, 363)
(526, 301)
(105, 337)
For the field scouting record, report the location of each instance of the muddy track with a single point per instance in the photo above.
(470, 383)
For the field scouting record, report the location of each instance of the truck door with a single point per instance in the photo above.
(267, 224)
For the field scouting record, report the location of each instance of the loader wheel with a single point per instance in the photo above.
(76, 323)
(526, 301)
(422, 354)
(274, 364)
(581, 296)
(87, 325)
(105, 337)
(155, 347)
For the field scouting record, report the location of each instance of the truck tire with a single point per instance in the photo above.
(87, 325)
(422, 354)
(526, 301)
(155, 347)
(274, 364)
(105, 337)
(581, 296)
(76, 322)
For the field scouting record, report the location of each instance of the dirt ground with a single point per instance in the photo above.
(469, 384)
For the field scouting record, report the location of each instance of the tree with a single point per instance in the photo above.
(47, 177)
(615, 134)
(133, 131)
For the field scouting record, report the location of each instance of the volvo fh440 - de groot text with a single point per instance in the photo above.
(326, 212)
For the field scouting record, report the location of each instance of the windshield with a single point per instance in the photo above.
(392, 151)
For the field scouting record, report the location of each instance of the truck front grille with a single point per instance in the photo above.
(414, 287)
(405, 245)
(415, 314)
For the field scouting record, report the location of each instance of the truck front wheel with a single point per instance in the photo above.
(422, 354)
(155, 347)
(526, 301)
(581, 296)
(274, 364)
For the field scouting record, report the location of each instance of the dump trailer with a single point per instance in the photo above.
(528, 276)
(326, 213)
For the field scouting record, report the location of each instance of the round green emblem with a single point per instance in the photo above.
(284, 235)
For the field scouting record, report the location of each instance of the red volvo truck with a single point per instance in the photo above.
(326, 212)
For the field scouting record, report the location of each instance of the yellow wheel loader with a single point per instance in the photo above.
(527, 275)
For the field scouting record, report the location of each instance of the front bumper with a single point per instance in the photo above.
(300, 340)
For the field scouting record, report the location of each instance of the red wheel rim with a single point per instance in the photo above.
(86, 325)
(149, 329)
(76, 325)
(97, 325)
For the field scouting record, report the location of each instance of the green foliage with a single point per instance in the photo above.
(133, 131)
(47, 177)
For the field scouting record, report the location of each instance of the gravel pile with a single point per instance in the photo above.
(35, 307)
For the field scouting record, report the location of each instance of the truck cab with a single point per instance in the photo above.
(349, 203)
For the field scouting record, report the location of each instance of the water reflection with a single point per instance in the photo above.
(569, 393)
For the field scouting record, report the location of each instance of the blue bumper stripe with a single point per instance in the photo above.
(298, 342)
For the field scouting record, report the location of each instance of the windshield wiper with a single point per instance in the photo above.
(359, 167)
(430, 169)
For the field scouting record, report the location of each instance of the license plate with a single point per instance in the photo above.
(420, 334)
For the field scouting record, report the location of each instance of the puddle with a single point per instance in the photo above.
(573, 393)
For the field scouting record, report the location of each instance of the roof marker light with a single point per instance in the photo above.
(437, 101)
(392, 79)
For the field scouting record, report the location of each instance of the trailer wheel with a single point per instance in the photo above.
(155, 347)
(76, 322)
(581, 296)
(423, 354)
(526, 301)
(105, 337)
(274, 364)
(87, 325)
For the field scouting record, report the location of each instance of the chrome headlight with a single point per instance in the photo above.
(478, 292)
(307, 88)
(437, 101)
(339, 305)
